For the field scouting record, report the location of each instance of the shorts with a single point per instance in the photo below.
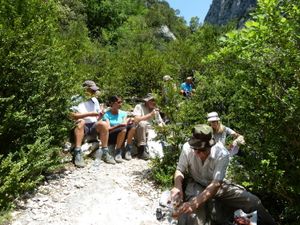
(113, 135)
(90, 131)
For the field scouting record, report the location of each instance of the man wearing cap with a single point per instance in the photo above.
(145, 114)
(186, 88)
(208, 196)
(87, 115)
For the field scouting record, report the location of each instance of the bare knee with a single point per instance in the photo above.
(80, 124)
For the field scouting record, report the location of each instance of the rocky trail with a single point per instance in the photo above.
(95, 195)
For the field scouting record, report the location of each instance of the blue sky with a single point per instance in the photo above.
(190, 8)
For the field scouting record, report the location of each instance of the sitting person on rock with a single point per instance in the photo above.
(145, 114)
(87, 115)
(120, 128)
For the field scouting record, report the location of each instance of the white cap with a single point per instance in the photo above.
(167, 77)
(213, 116)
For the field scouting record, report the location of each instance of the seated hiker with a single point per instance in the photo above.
(186, 88)
(221, 132)
(120, 128)
(87, 114)
(206, 162)
(145, 114)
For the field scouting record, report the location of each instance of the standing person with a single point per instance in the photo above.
(145, 114)
(206, 163)
(221, 132)
(87, 115)
(119, 127)
(186, 88)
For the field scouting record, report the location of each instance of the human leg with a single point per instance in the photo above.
(102, 130)
(130, 135)
(237, 197)
(79, 131)
(199, 217)
(141, 137)
(120, 141)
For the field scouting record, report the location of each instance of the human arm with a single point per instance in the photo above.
(198, 201)
(145, 117)
(177, 189)
(77, 115)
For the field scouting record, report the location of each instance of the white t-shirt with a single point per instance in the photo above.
(213, 168)
(91, 105)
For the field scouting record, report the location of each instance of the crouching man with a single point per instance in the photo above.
(207, 195)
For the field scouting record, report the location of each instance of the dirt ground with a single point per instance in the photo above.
(106, 194)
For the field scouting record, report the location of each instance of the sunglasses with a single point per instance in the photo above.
(119, 102)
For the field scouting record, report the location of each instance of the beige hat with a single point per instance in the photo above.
(167, 77)
(213, 116)
(148, 97)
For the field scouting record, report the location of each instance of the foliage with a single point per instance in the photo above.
(250, 76)
(35, 83)
(258, 67)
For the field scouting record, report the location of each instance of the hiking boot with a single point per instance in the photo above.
(118, 157)
(128, 152)
(108, 158)
(78, 159)
(143, 152)
(128, 155)
(98, 154)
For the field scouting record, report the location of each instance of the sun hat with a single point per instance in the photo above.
(202, 137)
(148, 97)
(91, 85)
(189, 78)
(213, 116)
(167, 77)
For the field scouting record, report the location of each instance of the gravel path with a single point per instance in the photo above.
(95, 195)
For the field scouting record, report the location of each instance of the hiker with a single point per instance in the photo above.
(120, 128)
(87, 115)
(168, 93)
(145, 115)
(186, 88)
(221, 132)
(207, 196)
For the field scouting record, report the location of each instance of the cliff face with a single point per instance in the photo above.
(223, 11)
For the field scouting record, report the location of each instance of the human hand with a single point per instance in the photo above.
(176, 194)
(186, 207)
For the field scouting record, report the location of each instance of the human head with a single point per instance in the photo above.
(167, 78)
(189, 80)
(214, 120)
(149, 101)
(90, 86)
(202, 137)
(115, 101)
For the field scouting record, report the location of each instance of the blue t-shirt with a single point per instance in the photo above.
(115, 119)
(186, 87)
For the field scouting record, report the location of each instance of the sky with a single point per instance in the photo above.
(190, 8)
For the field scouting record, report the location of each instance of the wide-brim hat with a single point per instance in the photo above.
(202, 137)
(148, 97)
(213, 116)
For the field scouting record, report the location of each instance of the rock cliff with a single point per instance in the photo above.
(223, 11)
